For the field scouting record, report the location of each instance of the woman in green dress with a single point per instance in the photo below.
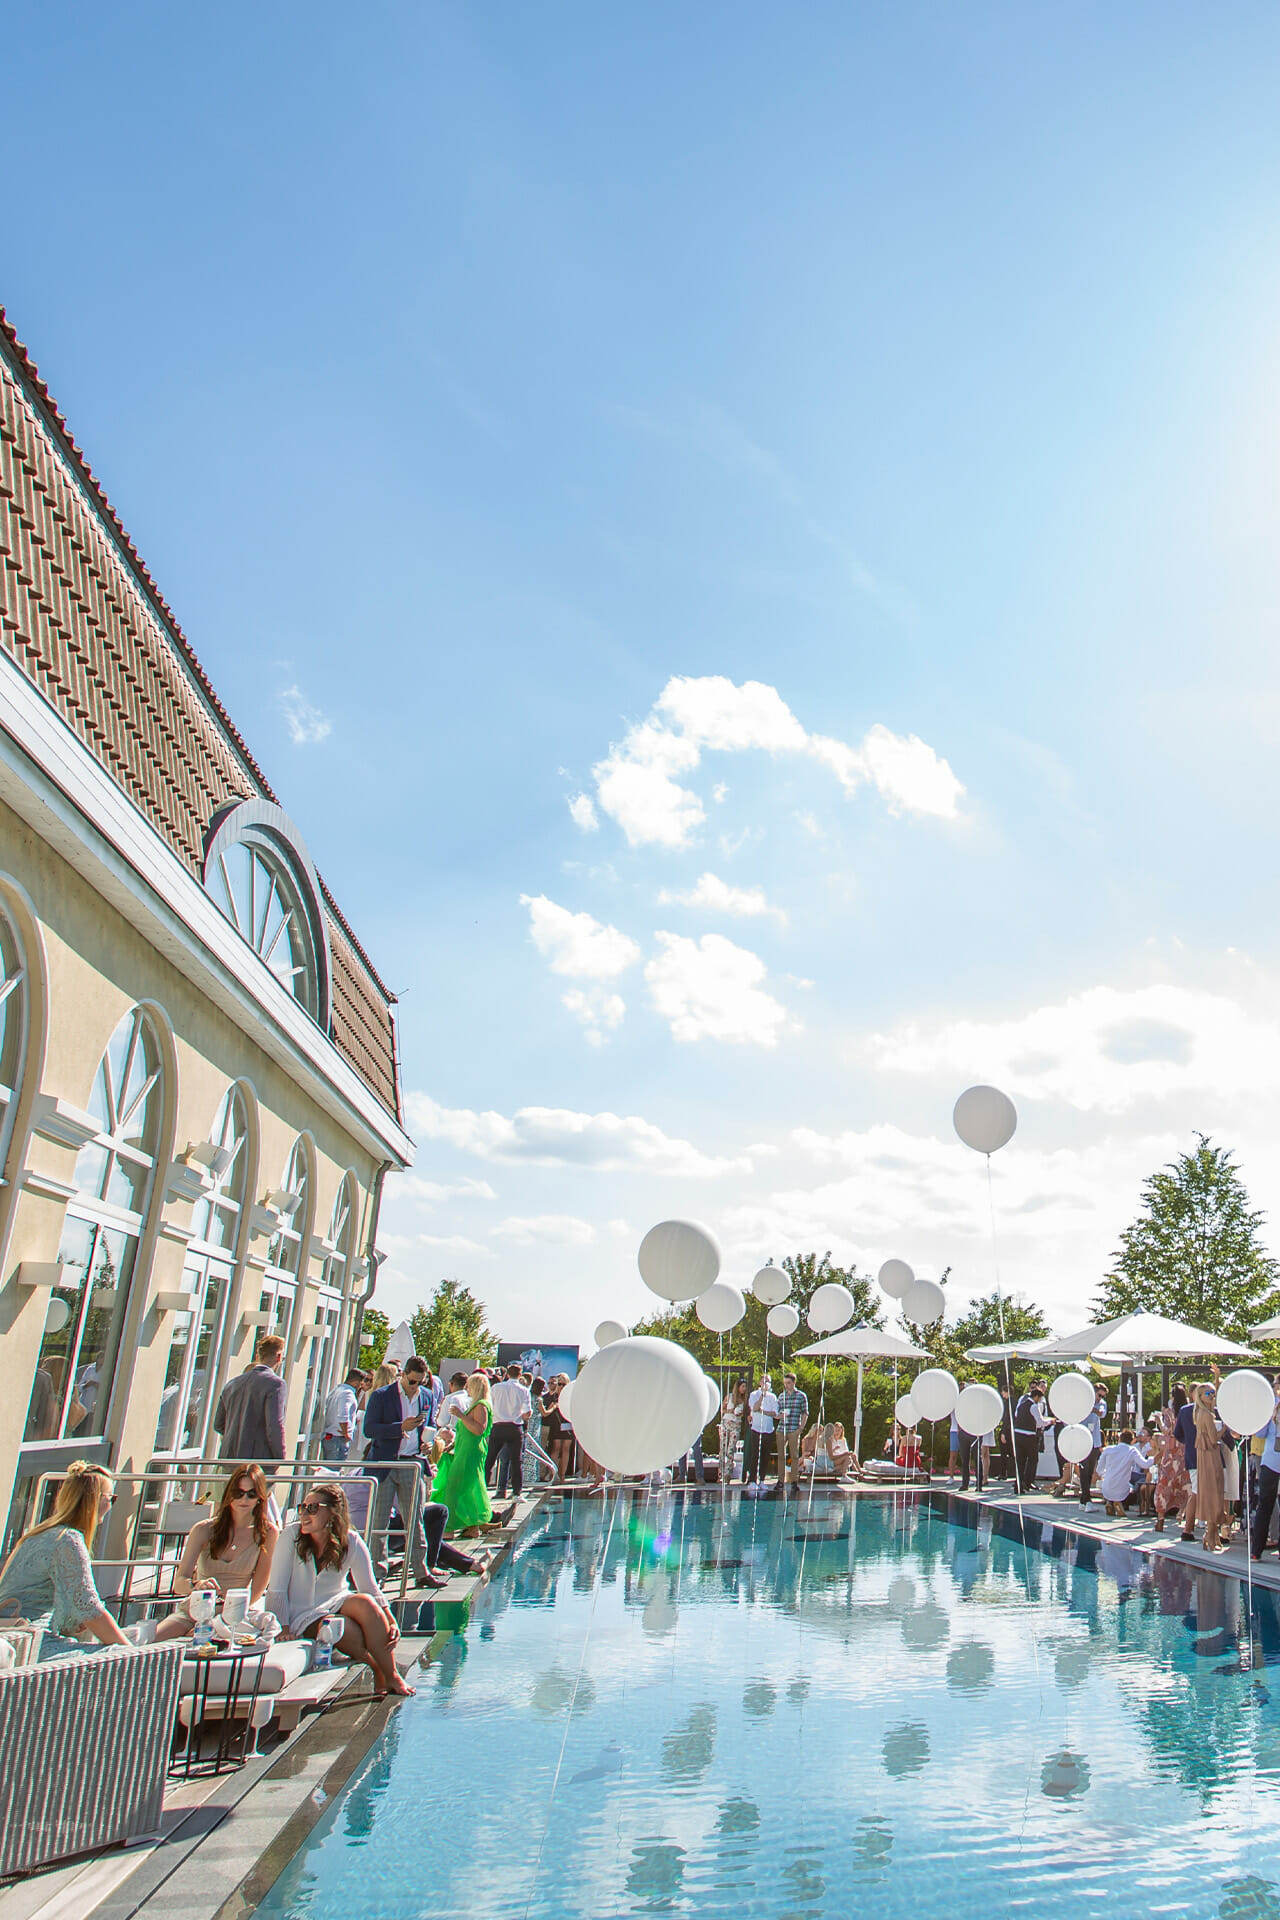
(459, 1480)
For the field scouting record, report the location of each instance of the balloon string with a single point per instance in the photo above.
(1013, 1441)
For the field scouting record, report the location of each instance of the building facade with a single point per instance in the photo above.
(199, 1093)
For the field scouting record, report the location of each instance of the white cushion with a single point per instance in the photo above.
(288, 1660)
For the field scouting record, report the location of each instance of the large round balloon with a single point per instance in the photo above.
(56, 1315)
(782, 1321)
(639, 1404)
(771, 1286)
(678, 1260)
(1071, 1397)
(564, 1399)
(906, 1412)
(1246, 1400)
(608, 1331)
(924, 1302)
(895, 1276)
(720, 1307)
(714, 1397)
(935, 1392)
(985, 1119)
(830, 1308)
(1074, 1444)
(979, 1409)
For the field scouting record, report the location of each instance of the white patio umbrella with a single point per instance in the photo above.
(400, 1345)
(1008, 1350)
(1143, 1337)
(862, 1344)
(1267, 1329)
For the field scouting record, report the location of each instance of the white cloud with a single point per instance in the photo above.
(600, 1012)
(712, 989)
(433, 1192)
(575, 943)
(559, 1137)
(307, 725)
(453, 1243)
(561, 1229)
(583, 813)
(638, 784)
(717, 896)
(620, 1229)
(1102, 1049)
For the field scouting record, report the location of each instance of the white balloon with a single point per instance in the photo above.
(720, 1307)
(566, 1395)
(830, 1308)
(1074, 1444)
(57, 1316)
(714, 1397)
(782, 1321)
(678, 1260)
(979, 1409)
(924, 1302)
(895, 1276)
(907, 1412)
(1071, 1397)
(935, 1392)
(639, 1404)
(985, 1119)
(771, 1286)
(1246, 1400)
(608, 1331)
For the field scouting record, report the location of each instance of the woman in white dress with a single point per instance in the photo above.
(316, 1556)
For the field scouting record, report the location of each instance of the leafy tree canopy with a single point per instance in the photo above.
(452, 1326)
(806, 1272)
(379, 1326)
(1195, 1251)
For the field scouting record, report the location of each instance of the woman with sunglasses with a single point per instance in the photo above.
(48, 1578)
(318, 1553)
(231, 1551)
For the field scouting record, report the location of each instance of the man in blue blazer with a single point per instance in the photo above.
(395, 1421)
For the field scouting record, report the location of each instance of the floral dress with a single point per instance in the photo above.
(1173, 1485)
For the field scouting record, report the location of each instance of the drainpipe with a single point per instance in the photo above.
(371, 1255)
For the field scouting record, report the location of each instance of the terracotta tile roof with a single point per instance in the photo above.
(82, 617)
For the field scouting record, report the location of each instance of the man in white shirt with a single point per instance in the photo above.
(512, 1406)
(455, 1402)
(763, 1410)
(1116, 1467)
(340, 1411)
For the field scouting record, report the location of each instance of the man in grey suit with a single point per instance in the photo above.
(250, 1413)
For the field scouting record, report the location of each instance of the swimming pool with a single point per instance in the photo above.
(890, 1706)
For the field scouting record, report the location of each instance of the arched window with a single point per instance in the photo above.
(323, 1330)
(14, 993)
(258, 870)
(293, 1202)
(208, 1271)
(104, 1221)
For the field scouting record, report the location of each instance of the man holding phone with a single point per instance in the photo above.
(396, 1425)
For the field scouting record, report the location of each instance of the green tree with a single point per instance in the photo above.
(452, 1326)
(807, 1273)
(377, 1324)
(1195, 1251)
(981, 1325)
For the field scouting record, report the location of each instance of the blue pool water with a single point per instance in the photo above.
(889, 1706)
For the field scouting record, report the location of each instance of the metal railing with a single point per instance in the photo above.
(198, 1480)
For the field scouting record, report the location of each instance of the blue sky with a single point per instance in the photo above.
(492, 383)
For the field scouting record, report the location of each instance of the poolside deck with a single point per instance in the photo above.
(223, 1838)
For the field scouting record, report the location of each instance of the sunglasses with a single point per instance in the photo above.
(316, 1506)
(245, 1493)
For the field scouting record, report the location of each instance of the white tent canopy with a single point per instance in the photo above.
(400, 1345)
(862, 1344)
(1008, 1350)
(1143, 1336)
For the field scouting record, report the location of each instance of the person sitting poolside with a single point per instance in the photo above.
(841, 1455)
(1117, 1465)
(315, 1558)
(47, 1581)
(230, 1552)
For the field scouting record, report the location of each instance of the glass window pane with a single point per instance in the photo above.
(127, 1184)
(108, 1279)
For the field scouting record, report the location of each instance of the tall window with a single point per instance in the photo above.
(100, 1237)
(185, 1405)
(284, 1251)
(328, 1313)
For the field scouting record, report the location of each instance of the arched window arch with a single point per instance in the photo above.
(258, 870)
(294, 1201)
(198, 1336)
(114, 1177)
(15, 1024)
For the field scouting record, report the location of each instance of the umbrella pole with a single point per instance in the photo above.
(857, 1420)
